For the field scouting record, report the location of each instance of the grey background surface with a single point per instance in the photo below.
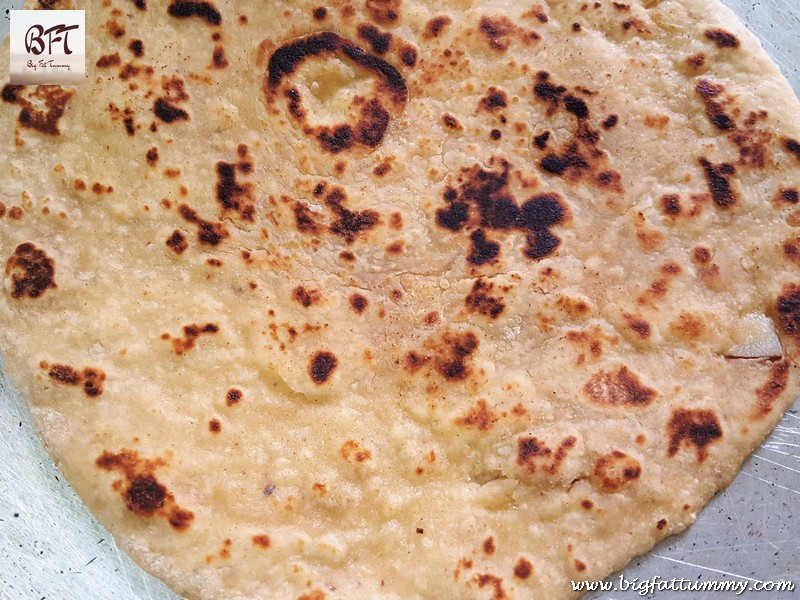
(51, 548)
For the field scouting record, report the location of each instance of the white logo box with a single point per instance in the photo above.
(47, 47)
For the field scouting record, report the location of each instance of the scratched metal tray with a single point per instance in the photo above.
(51, 548)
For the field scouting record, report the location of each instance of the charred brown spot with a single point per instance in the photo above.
(436, 26)
(488, 545)
(54, 98)
(788, 195)
(382, 169)
(262, 541)
(114, 28)
(540, 141)
(693, 427)
(792, 146)
(449, 357)
(547, 91)
(214, 426)
(570, 158)
(479, 417)
(484, 199)
(65, 375)
(576, 106)
(177, 242)
(523, 569)
(719, 183)
(32, 272)
(378, 40)
(183, 9)
(320, 13)
(358, 303)
(306, 297)
(458, 348)
(610, 122)
(384, 12)
(635, 24)
(190, 334)
(305, 219)
(481, 301)
(722, 38)
(671, 205)
(687, 326)
(496, 30)
(772, 389)
(168, 112)
(791, 250)
(11, 93)
(108, 60)
(614, 470)
(209, 233)
(143, 494)
(534, 454)
(152, 156)
(639, 326)
(483, 250)
(231, 194)
(696, 61)
(409, 56)
(714, 110)
(618, 388)
(352, 451)
(496, 583)
(350, 224)
(322, 365)
(494, 100)
(788, 310)
(701, 254)
(415, 361)
(218, 59)
(233, 396)
(451, 122)
(136, 47)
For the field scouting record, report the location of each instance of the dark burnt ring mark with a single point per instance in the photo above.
(374, 117)
(391, 76)
(183, 9)
(285, 60)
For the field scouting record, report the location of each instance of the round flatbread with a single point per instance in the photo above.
(402, 299)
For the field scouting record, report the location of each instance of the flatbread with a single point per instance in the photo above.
(402, 300)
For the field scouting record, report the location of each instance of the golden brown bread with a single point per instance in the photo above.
(406, 299)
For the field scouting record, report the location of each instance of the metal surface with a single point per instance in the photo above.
(51, 548)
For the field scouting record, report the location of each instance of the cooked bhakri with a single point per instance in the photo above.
(402, 299)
